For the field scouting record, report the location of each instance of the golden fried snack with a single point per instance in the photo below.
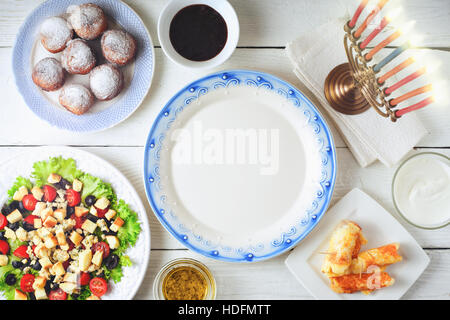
(345, 244)
(365, 282)
(381, 257)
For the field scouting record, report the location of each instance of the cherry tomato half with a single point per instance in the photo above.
(21, 252)
(101, 246)
(57, 294)
(26, 283)
(30, 219)
(98, 286)
(4, 247)
(49, 193)
(78, 221)
(73, 198)
(29, 202)
(101, 212)
(3, 222)
(84, 278)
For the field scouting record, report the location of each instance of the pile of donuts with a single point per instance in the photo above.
(68, 34)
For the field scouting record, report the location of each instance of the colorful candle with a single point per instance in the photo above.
(397, 69)
(404, 81)
(384, 22)
(414, 107)
(369, 18)
(410, 94)
(382, 44)
(391, 56)
(358, 11)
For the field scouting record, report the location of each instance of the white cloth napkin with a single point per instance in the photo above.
(368, 135)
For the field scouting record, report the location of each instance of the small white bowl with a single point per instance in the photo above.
(223, 7)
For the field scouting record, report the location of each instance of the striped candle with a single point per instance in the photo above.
(358, 11)
(382, 44)
(391, 56)
(384, 22)
(395, 70)
(414, 107)
(410, 94)
(369, 18)
(404, 81)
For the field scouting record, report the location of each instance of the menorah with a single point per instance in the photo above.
(353, 87)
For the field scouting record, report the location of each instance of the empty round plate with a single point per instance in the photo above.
(138, 74)
(239, 166)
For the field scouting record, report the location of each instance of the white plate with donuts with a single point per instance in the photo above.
(83, 65)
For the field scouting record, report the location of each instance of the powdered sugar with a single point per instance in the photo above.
(118, 46)
(49, 71)
(106, 81)
(55, 32)
(76, 97)
(85, 16)
(78, 57)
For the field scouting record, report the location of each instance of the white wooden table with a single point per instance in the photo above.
(266, 27)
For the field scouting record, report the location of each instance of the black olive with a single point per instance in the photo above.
(101, 275)
(21, 207)
(48, 286)
(62, 184)
(75, 296)
(6, 210)
(10, 279)
(37, 266)
(112, 261)
(54, 208)
(14, 226)
(17, 264)
(90, 200)
(32, 296)
(70, 211)
(28, 226)
(54, 286)
(13, 205)
(2, 236)
(91, 217)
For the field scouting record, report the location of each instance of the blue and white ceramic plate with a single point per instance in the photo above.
(239, 166)
(104, 114)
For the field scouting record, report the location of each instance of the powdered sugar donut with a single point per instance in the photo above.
(106, 81)
(118, 46)
(76, 98)
(88, 20)
(48, 74)
(78, 57)
(55, 33)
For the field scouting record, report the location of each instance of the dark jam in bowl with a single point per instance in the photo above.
(198, 32)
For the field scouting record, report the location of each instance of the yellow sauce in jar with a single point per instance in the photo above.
(184, 283)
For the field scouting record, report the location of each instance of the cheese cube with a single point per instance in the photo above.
(47, 212)
(113, 242)
(68, 287)
(21, 234)
(93, 211)
(37, 223)
(89, 226)
(58, 269)
(118, 223)
(110, 214)
(40, 294)
(50, 222)
(76, 238)
(92, 297)
(60, 214)
(19, 295)
(37, 193)
(102, 203)
(80, 211)
(61, 237)
(40, 206)
(84, 260)
(70, 277)
(3, 260)
(50, 242)
(36, 240)
(14, 216)
(60, 255)
(45, 263)
(10, 234)
(54, 178)
(19, 194)
(41, 251)
(39, 282)
(43, 233)
(97, 258)
(77, 185)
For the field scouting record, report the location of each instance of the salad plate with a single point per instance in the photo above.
(104, 114)
(125, 283)
(239, 166)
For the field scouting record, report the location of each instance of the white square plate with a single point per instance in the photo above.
(379, 227)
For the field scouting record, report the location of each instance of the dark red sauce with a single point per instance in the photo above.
(198, 32)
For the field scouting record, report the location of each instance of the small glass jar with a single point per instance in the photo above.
(168, 269)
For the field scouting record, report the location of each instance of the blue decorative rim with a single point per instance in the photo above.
(181, 100)
(134, 93)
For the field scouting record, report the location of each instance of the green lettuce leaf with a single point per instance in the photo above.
(129, 232)
(96, 187)
(20, 182)
(66, 168)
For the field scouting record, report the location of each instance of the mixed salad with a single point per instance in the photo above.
(63, 235)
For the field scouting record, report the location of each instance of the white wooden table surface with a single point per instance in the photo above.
(266, 27)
